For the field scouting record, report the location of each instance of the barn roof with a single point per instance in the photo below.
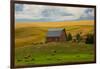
(54, 32)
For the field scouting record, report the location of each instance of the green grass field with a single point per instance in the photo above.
(31, 49)
(52, 53)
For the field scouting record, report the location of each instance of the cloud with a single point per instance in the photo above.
(18, 7)
(88, 14)
(50, 13)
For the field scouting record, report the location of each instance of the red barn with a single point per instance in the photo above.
(56, 35)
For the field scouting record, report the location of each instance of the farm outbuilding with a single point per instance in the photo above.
(56, 35)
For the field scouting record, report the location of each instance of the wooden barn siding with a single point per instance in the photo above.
(57, 39)
(63, 36)
(52, 39)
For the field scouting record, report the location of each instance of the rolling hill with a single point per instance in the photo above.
(28, 33)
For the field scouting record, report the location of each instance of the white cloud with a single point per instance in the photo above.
(51, 12)
(29, 11)
(77, 11)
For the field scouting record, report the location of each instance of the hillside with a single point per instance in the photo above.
(29, 33)
(31, 49)
(53, 24)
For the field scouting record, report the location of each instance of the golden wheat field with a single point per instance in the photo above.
(54, 24)
(34, 32)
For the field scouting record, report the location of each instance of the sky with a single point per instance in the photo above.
(46, 13)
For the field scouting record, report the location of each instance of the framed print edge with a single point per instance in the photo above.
(12, 32)
(12, 48)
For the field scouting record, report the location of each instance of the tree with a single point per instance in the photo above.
(89, 39)
(78, 37)
(69, 37)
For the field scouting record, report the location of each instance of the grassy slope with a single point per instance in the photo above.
(44, 54)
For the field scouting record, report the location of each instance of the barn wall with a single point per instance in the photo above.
(52, 39)
(63, 36)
